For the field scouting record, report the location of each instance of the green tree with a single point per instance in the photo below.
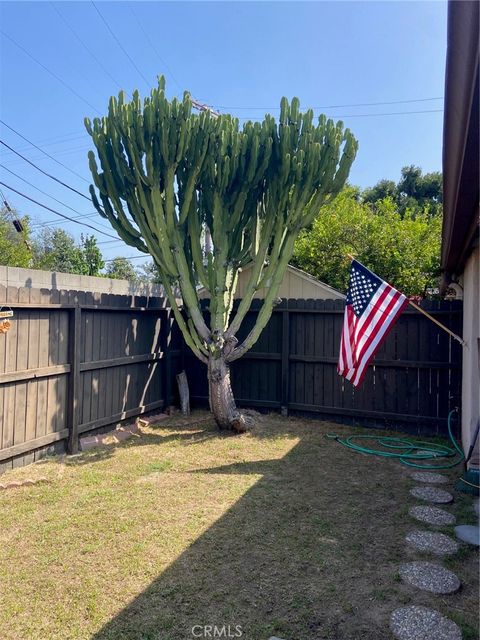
(404, 249)
(15, 247)
(56, 250)
(92, 256)
(415, 191)
(121, 269)
(383, 189)
(167, 174)
(148, 273)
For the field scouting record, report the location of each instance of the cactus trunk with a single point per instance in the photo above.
(222, 402)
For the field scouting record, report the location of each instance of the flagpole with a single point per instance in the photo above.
(425, 313)
(442, 326)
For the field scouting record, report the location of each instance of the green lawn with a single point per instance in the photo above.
(279, 531)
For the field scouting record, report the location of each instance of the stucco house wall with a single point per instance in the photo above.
(461, 170)
(471, 355)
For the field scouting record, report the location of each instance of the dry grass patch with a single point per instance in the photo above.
(278, 531)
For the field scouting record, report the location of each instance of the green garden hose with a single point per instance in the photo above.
(408, 452)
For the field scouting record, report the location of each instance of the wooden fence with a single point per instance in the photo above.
(76, 361)
(412, 384)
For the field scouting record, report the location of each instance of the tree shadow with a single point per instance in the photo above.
(286, 559)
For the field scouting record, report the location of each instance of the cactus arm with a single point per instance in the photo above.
(123, 232)
(268, 303)
(194, 237)
(221, 257)
(253, 281)
(191, 337)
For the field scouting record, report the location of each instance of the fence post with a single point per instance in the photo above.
(168, 359)
(285, 360)
(74, 385)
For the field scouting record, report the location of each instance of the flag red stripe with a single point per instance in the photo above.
(362, 335)
(383, 318)
(387, 331)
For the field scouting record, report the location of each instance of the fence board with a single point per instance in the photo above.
(128, 354)
(44, 397)
(412, 383)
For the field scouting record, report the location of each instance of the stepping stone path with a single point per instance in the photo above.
(427, 476)
(432, 541)
(429, 577)
(420, 623)
(432, 515)
(468, 533)
(432, 494)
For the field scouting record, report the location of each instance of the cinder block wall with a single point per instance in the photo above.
(36, 279)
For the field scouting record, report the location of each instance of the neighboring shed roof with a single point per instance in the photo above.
(296, 284)
(461, 137)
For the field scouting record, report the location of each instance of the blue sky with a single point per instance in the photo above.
(239, 57)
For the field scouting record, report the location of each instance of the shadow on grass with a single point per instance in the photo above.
(285, 559)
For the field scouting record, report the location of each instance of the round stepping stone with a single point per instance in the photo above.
(432, 541)
(432, 494)
(432, 515)
(429, 577)
(420, 623)
(428, 476)
(468, 533)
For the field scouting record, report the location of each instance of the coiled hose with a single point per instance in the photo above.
(406, 451)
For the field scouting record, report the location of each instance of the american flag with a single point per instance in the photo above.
(372, 307)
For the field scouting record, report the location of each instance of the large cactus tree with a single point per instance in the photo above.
(169, 176)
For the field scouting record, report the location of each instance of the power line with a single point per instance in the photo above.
(393, 113)
(120, 242)
(17, 223)
(44, 172)
(42, 151)
(127, 258)
(38, 158)
(44, 206)
(196, 103)
(97, 60)
(49, 223)
(338, 106)
(52, 73)
(120, 44)
(51, 142)
(370, 115)
(155, 50)
(40, 190)
(80, 216)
